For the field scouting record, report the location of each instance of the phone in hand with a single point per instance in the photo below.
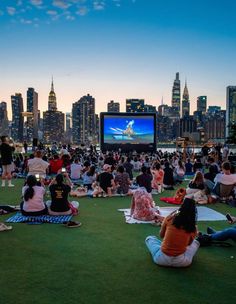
(229, 218)
(63, 170)
(37, 177)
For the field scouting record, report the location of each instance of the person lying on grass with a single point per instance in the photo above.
(60, 188)
(33, 197)
(178, 231)
(224, 235)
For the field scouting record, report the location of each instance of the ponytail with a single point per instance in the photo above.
(29, 192)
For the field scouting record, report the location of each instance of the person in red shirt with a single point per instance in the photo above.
(55, 164)
(178, 231)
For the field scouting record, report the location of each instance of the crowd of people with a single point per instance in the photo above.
(85, 171)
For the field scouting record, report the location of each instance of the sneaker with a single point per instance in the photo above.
(3, 227)
(72, 224)
(210, 230)
(11, 185)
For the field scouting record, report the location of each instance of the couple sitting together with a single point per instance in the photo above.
(33, 197)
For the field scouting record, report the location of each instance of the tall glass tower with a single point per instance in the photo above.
(17, 117)
(176, 94)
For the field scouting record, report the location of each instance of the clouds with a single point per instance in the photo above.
(25, 11)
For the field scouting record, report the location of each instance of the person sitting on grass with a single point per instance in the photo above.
(122, 181)
(105, 182)
(178, 231)
(59, 191)
(33, 197)
(224, 235)
(168, 181)
(89, 177)
(145, 179)
(157, 177)
(143, 206)
(196, 184)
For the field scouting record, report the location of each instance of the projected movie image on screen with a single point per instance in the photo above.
(126, 129)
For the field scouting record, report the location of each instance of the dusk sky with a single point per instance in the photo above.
(117, 49)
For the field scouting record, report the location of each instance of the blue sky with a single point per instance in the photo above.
(117, 49)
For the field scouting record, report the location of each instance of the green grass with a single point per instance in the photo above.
(105, 261)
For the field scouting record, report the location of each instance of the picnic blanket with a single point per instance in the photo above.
(204, 214)
(52, 219)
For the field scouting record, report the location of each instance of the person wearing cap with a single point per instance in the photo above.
(106, 180)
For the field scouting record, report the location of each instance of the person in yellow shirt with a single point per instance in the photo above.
(178, 231)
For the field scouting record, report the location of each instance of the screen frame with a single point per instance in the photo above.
(127, 147)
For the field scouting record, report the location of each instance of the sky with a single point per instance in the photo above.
(117, 49)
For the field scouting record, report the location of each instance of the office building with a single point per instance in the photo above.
(32, 115)
(230, 108)
(84, 129)
(214, 126)
(4, 123)
(113, 106)
(202, 104)
(150, 109)
(134, 105)
(175, 102)
(17, 117)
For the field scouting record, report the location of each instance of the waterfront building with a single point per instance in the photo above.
(32, 122)
(150, 109)
(164, 129)
(113, 106)
(84, 121)
(134, 105)
(199, 117)
(188, 127)
(214, 126)
(230, 108)
(53, 120)
(175, 102)
(17, 117)
(4, 123)
(213, 109)
(202, 104)
(185, 102)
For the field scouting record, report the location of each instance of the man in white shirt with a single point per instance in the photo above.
(75, 169)
(37, 165)
(225, 177)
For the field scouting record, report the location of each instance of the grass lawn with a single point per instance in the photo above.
(105, 261)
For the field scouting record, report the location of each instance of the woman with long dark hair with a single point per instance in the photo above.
(178, 231)
(60, 188)
(33, 195)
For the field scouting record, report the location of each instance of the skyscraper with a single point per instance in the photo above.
(134, 105)
(176, 95)
(84, 121)
(4, 129)
(230, 108)
(113, 106)
(17, 117)
(202, 104)
(185, 102)
(53, 120)
(32, 119)
(52, 100)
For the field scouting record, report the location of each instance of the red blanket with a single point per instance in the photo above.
(170, 200)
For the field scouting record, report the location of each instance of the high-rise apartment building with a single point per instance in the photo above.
(134, 105)
(32, 116)
(175, 102)
(150, 109)
(230, 108)
(202, 104)
(84, 121)
(113, 106)
(53, 120)
(4, 123)
(17, 117)
(214, 125)
(185, 102)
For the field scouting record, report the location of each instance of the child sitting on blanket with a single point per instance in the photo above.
(33, 197)
(60, 190)
(143, 207)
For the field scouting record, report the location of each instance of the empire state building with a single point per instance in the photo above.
(53, 120)
(52, 100)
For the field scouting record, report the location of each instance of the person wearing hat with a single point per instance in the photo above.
(106, 180)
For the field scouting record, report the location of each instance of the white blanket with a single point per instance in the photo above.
(204, 214)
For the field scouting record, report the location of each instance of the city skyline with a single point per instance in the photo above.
(116, 50)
